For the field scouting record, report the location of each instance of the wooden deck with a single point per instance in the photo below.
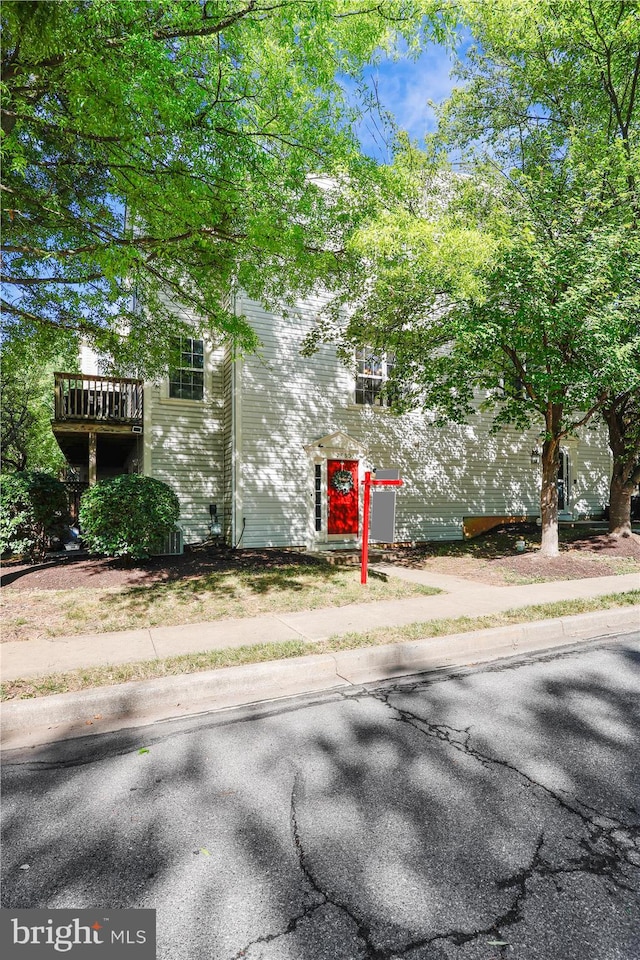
(82, 397)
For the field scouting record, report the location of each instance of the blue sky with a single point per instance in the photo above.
(404, 88)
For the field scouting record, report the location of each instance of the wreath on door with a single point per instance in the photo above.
(342, 481)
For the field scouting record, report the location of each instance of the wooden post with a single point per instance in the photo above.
(58, 414)
(93, 458)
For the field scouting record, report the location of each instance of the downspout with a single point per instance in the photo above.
(237, 519)
(232, 438)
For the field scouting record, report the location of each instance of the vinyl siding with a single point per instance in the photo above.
(449, 473)
(186, 446)
(287, 402)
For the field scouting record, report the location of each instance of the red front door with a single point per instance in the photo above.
(342, 493)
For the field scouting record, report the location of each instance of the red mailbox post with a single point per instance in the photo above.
(368, 483)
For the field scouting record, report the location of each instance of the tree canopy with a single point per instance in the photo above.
(27, 407)
(520, 274)
(168, 150)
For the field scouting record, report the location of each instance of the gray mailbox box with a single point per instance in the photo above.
(383, 508)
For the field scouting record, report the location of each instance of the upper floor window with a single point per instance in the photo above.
(186, 382)
(511, 385)
(373, 371)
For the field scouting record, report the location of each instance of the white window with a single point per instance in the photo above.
(373, 371)
(512, 386)
(186, 382)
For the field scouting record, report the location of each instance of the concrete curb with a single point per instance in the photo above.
(401, 659)
(66, 715)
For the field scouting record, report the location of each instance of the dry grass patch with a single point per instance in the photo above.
(218, 595)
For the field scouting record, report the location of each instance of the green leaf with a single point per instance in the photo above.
(171, 150)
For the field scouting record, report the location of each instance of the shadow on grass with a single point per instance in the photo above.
(378, 575)
(196, 561)
(228, 585)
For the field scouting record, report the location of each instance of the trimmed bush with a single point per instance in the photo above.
(34, 507)
(127, 516)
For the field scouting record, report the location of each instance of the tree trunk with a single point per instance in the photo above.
(549, 498)
(619, 504)
(622, 419)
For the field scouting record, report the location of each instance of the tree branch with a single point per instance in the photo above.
(66, 323)
(585, 419)
(208, 30)
(138, 241)
(33, 281)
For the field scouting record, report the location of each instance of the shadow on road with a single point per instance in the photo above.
(440, 817)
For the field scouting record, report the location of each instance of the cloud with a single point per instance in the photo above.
(403, 87)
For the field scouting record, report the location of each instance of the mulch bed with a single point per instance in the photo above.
(74, 572)
(586, 557)
(488, 557)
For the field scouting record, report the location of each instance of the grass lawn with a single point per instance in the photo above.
(30, 614)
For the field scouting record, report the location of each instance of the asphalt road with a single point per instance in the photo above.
(487, 813)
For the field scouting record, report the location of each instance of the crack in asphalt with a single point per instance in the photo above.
(511, 915)
(362, 930)
(608, 846)
(270, 937)
(609, 840)
(602, 826)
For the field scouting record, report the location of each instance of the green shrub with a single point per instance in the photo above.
(34, 507)
(127, 516)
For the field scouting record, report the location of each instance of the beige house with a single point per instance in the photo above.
(273, 446)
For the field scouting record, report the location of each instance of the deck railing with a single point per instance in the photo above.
(82, 396)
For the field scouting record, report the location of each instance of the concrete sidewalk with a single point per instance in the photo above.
(28, 723)
(24, 659)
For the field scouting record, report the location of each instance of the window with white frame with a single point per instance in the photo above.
(512, 385)
(186, 382)
(373, 371)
